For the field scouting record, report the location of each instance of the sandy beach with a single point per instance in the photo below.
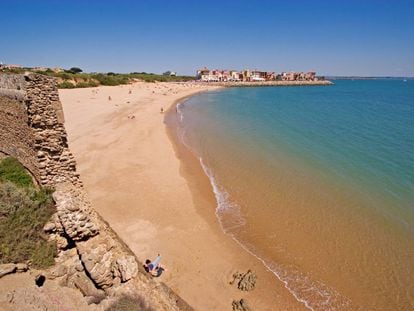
(155, 196)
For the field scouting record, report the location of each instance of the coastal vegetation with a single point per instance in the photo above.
(11, 170)
(76, 78)
(24, 210)
(79, 80)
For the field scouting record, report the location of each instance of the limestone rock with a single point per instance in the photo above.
(240, 305)
(87, 288)
(98, 261)
(57, 271)
(21, 267)
(49, 227)
(18, 292)
(7, 269)
(73, 215)
(12, 268)
(246, 281)
(61, 242)
(127, 267)
(66, 265)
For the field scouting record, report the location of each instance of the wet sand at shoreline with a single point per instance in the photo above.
(155, 196)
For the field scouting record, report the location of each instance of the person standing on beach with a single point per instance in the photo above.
(162, 109)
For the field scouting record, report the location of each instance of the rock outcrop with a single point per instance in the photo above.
(12, 268)
(240, 305)
(91, 258)
(245, 281)
(75, 224)
(74, 213)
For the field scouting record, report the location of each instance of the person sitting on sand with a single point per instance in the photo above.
(154, 267)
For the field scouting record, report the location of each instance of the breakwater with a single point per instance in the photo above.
(269, 83)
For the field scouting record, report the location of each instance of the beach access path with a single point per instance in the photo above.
(156, 202)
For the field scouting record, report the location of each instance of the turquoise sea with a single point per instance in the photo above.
(317, 183)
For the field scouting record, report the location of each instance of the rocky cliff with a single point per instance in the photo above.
(91, 257)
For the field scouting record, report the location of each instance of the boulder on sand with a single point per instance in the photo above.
(240, 305)
(246, 281)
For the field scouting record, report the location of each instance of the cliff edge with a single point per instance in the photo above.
(91, 258)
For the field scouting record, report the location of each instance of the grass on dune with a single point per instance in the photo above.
(69, 79)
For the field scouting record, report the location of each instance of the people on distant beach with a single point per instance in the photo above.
(162, 109)
(154, 267)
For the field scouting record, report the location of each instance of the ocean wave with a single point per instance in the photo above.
(180, 113)
(226, 208)
(181, 129)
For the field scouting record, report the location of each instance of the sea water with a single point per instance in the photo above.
(317, 183)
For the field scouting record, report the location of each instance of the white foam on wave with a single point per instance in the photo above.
(180, 113)
(181, 129)
(225, 206)
(302, 287)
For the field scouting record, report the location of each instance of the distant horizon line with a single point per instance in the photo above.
(367, 77)
(350, 76)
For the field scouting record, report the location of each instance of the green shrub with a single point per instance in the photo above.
(104, 79)
(47, 72)
(11, 170)
(13, 70)
(111, 78)
(66, 85)
(64, 75)
(74, 70)
(24, 211)
(151, 77)
(87, 84)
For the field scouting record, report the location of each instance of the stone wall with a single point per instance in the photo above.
(32, 129)
(13, 86)
(16, 137)
(45, 117)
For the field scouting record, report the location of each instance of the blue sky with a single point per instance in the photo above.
(332, 37)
